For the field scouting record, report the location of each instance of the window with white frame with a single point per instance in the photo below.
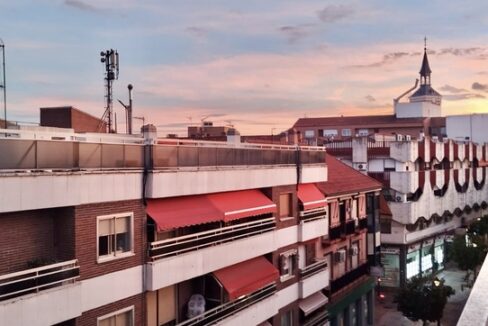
(123, 317)
(363, 132)
(346, 132)
(115, 236)
(330, 132)
(288, 264)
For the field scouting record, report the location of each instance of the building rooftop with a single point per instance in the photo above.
(344, 179)
(351, 121)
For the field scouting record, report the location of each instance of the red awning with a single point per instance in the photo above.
(172, 213)
(246, 277)
(238, 204)
(311, 196)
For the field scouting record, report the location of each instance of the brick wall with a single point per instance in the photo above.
(86, 237)
(32, 235)
(89, 318)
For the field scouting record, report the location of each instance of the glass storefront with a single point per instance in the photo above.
(439, 255)
(391, 264)
(427, 259)
(413, 264)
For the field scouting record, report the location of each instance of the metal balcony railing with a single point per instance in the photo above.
(180, 245)
(225, 310)
(312, 215)
(348, 278)
(318, 318)
(314, 268)
(38, 279)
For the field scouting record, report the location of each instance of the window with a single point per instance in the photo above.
(285, 205)
(363, 132)
(309, 133)
(330, 132)
(287, 318)
(288, 264)
(123, 317)
(346, 132)
(114, 236)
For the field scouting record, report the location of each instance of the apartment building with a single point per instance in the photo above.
(432, 188)
(104, 229)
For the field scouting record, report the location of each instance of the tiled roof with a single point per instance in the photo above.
(384, 208)
(364, 120)
(343, 179)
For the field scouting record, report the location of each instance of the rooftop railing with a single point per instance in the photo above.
(68, 151)
(225, 310)
(197, 241)
(38, 279)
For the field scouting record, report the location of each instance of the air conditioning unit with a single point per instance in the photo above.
(353, 251)
(340, 256)
(398, 199)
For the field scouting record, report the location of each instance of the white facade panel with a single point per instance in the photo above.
(47, 307)
(313, 229)
(458, 127)
(313, 283)
(108, 288)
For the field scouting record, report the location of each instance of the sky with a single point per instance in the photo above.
(258, 65)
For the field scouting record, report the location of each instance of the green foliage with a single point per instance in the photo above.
(422, 299)
(471, 254)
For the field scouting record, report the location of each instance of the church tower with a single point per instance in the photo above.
(425, 101)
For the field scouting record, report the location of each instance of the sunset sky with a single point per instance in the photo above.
(257, 64)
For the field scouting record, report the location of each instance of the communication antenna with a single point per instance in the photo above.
(3, 84)
(111, 60)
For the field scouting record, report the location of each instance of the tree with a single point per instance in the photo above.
(424, 299)
(469, 251)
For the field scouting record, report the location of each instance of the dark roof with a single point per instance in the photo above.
(365, 120)
(425, 69)
(425, 90)
(343, 179)
(384, 208)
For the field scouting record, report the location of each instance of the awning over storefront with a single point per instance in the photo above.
(173, 213)
(312, 303)
(310, 196)
(246, 277)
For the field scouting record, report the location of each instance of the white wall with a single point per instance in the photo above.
(417, 109)
(474, 126)
(47, 307)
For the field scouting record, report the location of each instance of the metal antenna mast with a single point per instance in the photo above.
(4, 84)
(111, 60)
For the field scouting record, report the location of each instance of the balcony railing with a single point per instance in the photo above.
(348, 278)
(77, 151)
(227, 309)
(308, 216)
(38, 279)
(314, 268)
(318, 318)
(350, 227)
(197, 241)
(363, 223)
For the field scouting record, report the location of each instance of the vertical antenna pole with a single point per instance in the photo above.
(4, 85)
(129, 111)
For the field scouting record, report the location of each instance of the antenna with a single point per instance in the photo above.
(111, 60)
(4, 84)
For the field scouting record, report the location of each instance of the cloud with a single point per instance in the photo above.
(198, 32)
(461, 51)
(480, 87)
(295, 33)
(81, 5)
(452, 89)
(370, 98)
(460, 97)
(387, 59)
(333, 13)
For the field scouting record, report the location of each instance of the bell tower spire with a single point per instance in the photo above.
(425, 69)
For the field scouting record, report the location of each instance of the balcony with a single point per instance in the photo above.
(198, 241)
(313, 278)
(475, 311)
(221, 312)
(201, 253)
(313, 226)
(348, 278)
(25, 295)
